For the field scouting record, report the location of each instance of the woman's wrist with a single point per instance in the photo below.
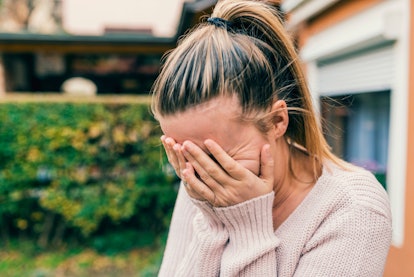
(251, 219)
(208, 212)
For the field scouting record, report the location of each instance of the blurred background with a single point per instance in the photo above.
(115, 47)
(85, 189)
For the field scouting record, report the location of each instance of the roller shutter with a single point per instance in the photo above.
(362, 72)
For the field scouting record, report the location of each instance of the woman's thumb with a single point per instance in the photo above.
(266, 164)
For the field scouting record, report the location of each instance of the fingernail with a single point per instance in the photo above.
(168, 141)
(186, 145)
(208, 143)
(186, 170)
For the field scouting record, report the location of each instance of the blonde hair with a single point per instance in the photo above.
(250, 56)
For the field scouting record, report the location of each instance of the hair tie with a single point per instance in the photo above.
(220, 22)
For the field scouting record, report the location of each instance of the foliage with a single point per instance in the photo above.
(77, 168)
(20, 259)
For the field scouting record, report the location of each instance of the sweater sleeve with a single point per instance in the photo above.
(196, 240)
(251, 250)
(180, 233)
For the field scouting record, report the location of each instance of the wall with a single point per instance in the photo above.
(400, 259)
(401, 255)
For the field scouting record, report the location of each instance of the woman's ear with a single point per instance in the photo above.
(280, 118)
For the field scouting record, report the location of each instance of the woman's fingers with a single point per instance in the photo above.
(229, 181)
(208, 170)
(180, 157)
(168, 144)
(213, 183)
(212, 175)
(266, 165)
(174, 155)
(230, 166)
(195, 187)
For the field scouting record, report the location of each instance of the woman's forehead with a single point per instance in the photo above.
(218, 119)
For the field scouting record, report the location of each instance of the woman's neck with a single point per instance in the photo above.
(295, 177)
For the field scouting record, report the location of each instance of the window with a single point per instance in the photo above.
(356, 126)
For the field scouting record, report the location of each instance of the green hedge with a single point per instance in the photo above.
(70, 169)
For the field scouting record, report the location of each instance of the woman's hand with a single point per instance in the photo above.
(174, 160)
(224, 182)
(177, 161)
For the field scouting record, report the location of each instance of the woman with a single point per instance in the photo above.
(261, 194)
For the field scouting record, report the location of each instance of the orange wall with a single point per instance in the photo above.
(332, 16)
(401, 260)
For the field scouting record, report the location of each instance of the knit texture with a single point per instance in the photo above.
(341, 228)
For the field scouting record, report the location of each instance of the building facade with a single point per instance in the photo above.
(117, 55)
(358, 56)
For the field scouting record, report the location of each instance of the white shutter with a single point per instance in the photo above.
(369, 71)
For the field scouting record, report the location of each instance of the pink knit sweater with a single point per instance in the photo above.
(342, 228)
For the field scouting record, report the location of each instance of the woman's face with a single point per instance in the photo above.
(219, 120)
